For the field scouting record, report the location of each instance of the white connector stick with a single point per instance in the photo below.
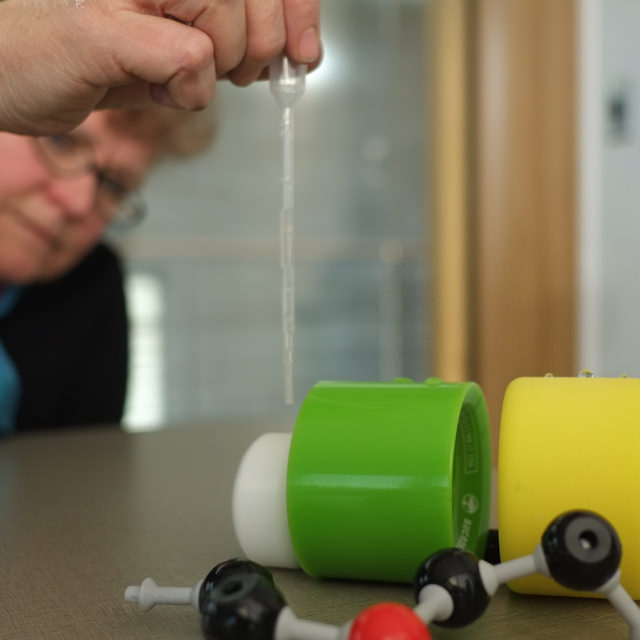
(435, 603)
(149, 594)
(290, 627)
(494, 575)
(287, 83)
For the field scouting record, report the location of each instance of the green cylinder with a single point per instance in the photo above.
(380, 475)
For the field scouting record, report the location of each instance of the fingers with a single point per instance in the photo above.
(131, 96)
(266, 37)
(126, 53)
(274, 26)
(225, 22)
(243, 37)
(302, 22)
(175, 59)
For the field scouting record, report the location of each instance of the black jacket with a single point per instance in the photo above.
(68, 341)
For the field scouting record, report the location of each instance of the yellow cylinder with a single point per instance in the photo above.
(569, 443)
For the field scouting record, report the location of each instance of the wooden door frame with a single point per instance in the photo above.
(503, 78)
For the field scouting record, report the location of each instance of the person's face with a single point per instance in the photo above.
(48, 223)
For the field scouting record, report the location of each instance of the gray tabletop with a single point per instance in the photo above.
(84, 514)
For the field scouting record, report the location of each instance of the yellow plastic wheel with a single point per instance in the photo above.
(569, 443)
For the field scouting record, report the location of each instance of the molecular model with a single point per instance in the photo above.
(238, 599)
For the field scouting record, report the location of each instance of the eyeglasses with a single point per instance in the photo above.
(68, 155)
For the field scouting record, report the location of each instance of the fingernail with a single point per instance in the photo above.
(309, 45)
(161, 95)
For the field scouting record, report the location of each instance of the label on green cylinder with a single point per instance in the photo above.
(466, 502)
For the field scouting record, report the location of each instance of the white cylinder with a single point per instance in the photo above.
(260, 502)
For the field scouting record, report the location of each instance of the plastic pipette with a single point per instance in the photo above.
(287, 82)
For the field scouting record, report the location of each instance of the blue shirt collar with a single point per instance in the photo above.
(8, 299)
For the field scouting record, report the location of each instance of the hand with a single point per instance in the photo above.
(60, 59)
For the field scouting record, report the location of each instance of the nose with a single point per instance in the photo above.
(73, 197)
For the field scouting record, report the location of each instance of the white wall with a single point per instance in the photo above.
(610, 187)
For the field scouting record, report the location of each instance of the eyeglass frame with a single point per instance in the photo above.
(132, 202)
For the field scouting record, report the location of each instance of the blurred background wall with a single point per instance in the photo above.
(613, 190)
(204, 272)
(467, 206)
(550, 174)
